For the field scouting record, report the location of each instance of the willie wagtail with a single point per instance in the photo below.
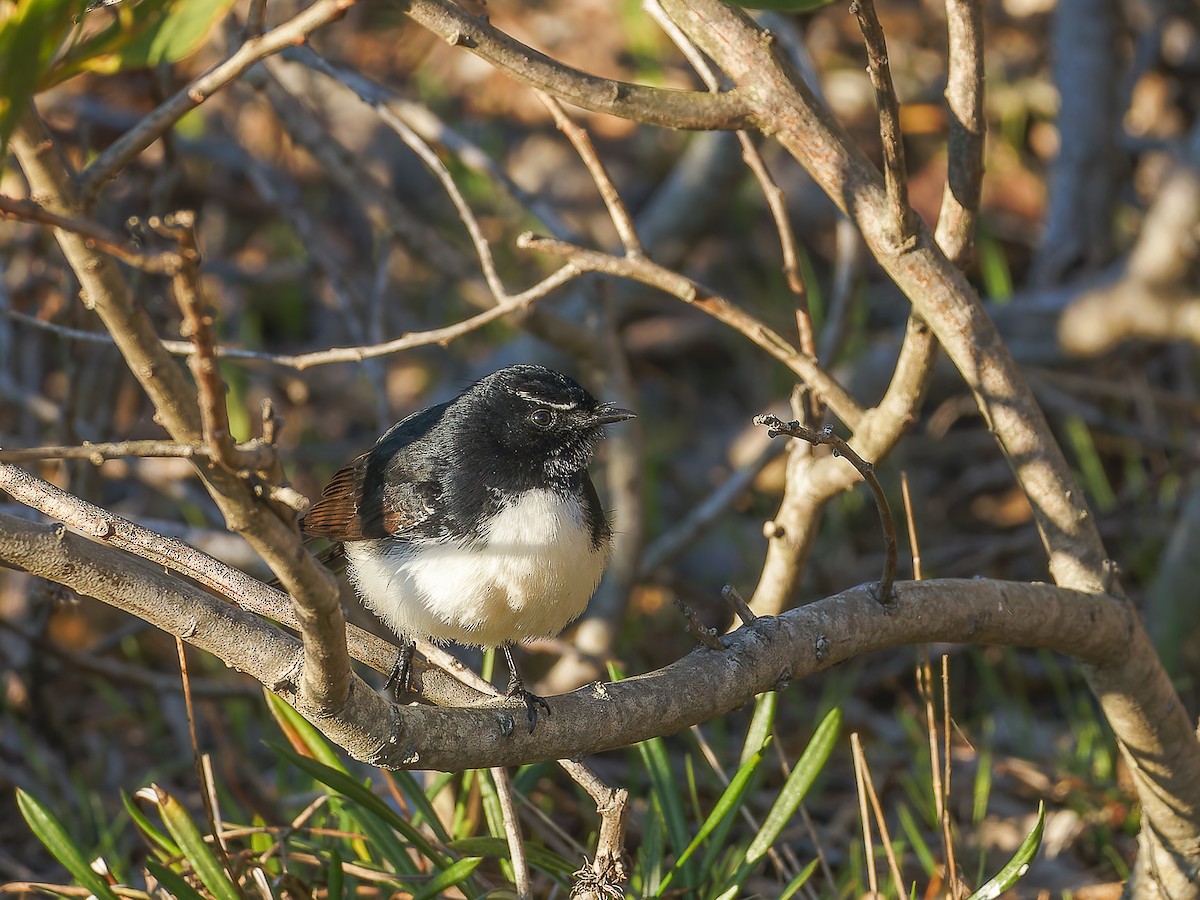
(475, 520)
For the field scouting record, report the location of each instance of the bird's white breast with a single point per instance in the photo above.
(532, 573)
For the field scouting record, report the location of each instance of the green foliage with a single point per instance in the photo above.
(45, 42)
(1018, 865)
(51, 833)
(30, 33)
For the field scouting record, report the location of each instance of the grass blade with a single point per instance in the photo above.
(51, 833)
(209, 870)
(1018, 865)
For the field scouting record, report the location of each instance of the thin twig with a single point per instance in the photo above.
(946, 763)
(895, 177)
(863, 772)
(776, 201)
(98, 237)
(125, 149)
(512, 832)
(202, 776)
(98, 453)
(692, 293)
(198, 327)
(440, 336)
(579, 139)
(738, 604)
(777, 426)
(697, 629)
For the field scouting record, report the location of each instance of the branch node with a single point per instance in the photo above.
(822, 647)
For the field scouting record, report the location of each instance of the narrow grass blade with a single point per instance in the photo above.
(51, 833)
(184, 831)
(1018, 865)
(725, 806)
(449, 877)
(761, 724)
(805, 772)
(799, 881)
(349, 786)
(912, 831)
(173, 882)
(666, 792)
(301, 733)
(162, 845)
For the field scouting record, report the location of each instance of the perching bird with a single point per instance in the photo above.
(475, 520)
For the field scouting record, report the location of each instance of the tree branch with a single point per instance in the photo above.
(726, 111)
(706, 683)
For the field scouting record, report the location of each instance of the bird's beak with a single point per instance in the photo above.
(606, 415)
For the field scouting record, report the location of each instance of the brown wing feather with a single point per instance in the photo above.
(336, 515)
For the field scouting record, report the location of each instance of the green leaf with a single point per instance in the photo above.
(799, 881)
(1018, 865)
(192, 843)
(666, 792)
(449, 877)
(172, 881)
(29, 36)
(540, 858)
(141, 36)
(51, 833)
(726, 805)
(164, 847)
(808, 766)
(349, 786)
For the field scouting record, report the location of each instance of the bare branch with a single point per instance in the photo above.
(579, 139)
(99, 237)
(655, 106)
(895, 176)
(704, 684)
(333, 355)
(776, 426)
(125, 149)
(955, 230)
(692, 293)
(225, 581)
(99, 452)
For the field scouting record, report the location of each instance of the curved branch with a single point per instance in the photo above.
(701, 110)
(706, 683)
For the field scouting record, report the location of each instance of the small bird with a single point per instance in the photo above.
(475, 520)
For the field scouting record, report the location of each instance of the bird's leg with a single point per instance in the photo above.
(516, 689)
(401, 677)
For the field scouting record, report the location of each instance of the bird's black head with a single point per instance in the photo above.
(540, 419)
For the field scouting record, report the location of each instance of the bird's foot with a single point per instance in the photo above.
(401, 678)
(516, 691)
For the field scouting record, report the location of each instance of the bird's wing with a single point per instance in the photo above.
(390, 491)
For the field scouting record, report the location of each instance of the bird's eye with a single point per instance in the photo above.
(542, 418)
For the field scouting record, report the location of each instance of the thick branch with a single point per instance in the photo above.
(221, 579)
(726, 111)
(706, 683)
(1155, 731)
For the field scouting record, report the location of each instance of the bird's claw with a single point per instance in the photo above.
(401, 677)
(531, 700)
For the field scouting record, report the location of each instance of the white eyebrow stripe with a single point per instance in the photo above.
(534, 398)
